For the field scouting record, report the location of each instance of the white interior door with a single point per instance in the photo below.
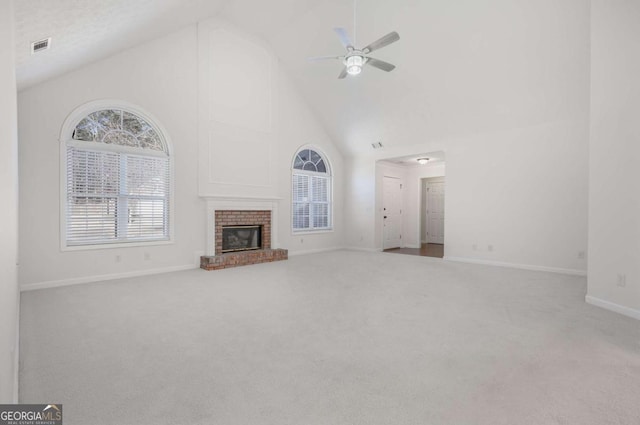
(392, 212)
(435, 212)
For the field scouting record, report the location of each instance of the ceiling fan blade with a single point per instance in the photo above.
(321, 58)
(392, 37)
(343, 74)
(385, 66)
(344, 38)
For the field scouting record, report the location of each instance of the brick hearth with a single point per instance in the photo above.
(242, 258)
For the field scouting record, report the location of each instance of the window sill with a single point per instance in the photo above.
(72, 248)
(311, 232)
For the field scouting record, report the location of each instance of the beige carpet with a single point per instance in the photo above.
(335, 338)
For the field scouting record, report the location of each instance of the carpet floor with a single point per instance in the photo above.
(335, 338)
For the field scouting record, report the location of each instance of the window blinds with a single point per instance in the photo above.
(311, 204)
(116, 197)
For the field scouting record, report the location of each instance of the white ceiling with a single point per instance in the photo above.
(463, 67)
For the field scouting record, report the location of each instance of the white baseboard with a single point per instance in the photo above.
(617, 308)
(357, 248)
(559, 270)
(16, 358)
(104, 277)
(314, 251)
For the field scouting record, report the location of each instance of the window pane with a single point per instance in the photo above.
(93, 172)
(320, 216)
(305, 155)
(300, 188)
(314, 157)
(121, 138)
(110, 119)
(133, 124)
(118, 128)
(298, 164)
(300, 216)
(320, 189)
(91, 219)
(150, 140)
(147, 176)
(321, 167)
(88, 130)
(146, 218)
(308, 166)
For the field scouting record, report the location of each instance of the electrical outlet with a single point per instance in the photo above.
(581, 255)
(147, 256)
(118, 258)
(474, 247)
(301, 240)
(490, 248)
(622, 280)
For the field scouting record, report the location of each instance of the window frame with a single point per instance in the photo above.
(329, 175)
(66, 140)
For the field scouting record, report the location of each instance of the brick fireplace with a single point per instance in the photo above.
(239, 214)
(243, 218)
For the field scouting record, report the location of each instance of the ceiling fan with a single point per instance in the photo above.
(355, 58)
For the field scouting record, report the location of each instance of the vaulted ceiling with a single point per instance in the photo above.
(463, 67)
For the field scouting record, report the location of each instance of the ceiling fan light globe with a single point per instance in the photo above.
(354, 64)
(354, 70)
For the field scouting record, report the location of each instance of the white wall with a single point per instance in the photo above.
(252, 122)
(9, 211)
(614, 176)
(161, 78)
(523, 191)
(234, 133)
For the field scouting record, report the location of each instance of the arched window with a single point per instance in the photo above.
(311, 192)
(117, 181)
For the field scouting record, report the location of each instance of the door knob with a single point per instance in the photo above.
(385, 216)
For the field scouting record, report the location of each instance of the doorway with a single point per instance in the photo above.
(392, 212)
(432, 217)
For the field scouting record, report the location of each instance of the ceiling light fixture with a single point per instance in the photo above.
(423, 161)
(354, 64)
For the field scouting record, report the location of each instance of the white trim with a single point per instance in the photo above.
(102, 278)
(108, 245)
(314, 251)
(559, 270)
(357, 248)
(616, 308)
(16, 357)
(311, 232)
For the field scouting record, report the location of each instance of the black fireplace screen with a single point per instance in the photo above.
(241, 238)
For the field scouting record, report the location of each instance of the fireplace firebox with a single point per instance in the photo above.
(241, 238)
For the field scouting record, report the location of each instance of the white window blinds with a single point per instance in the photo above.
(311, 202)
(116, 197)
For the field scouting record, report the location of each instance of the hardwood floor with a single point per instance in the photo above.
(426, 250)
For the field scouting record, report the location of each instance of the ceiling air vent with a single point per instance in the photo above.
(40, 45)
